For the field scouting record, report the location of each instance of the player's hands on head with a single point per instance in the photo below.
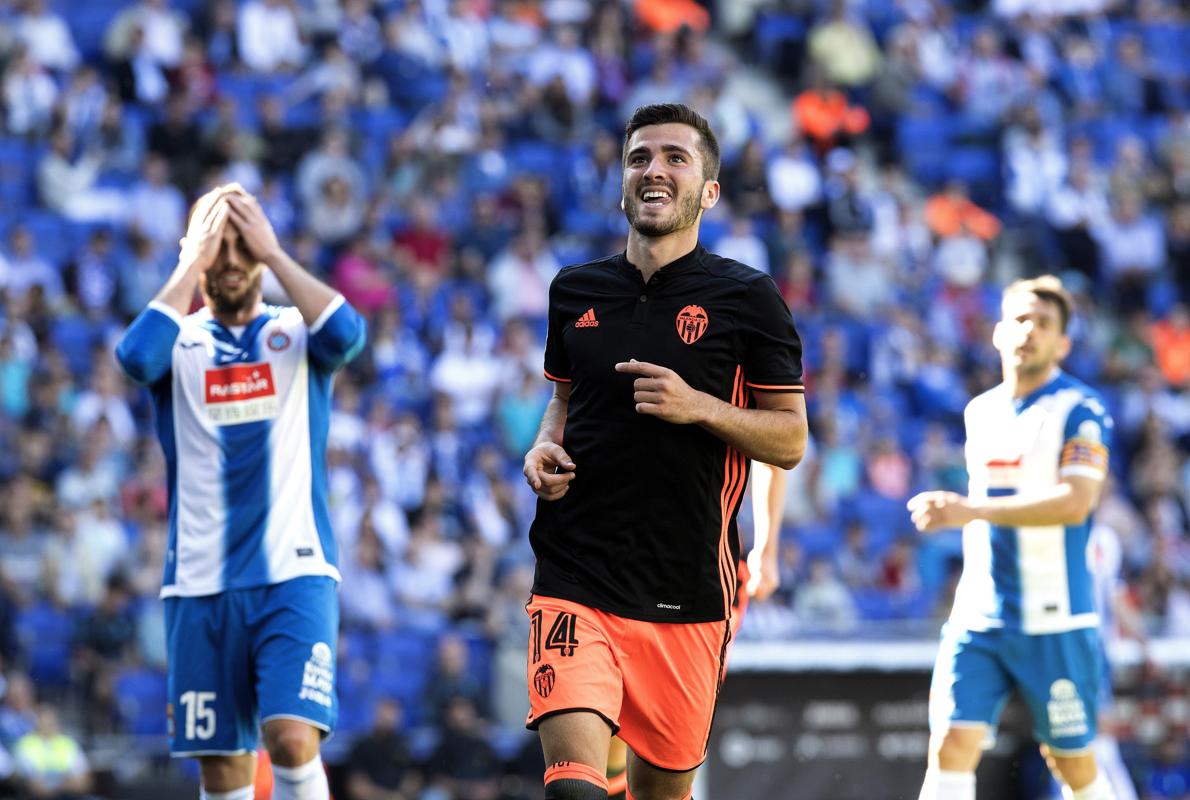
(764, 575)
(253, 225)
(548, 470)
(661, 392)
(204, 233)
(934, 511)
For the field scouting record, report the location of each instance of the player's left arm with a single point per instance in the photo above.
(768, 507)
(1082, 470)
(337, 331)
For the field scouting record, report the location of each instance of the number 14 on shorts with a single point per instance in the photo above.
(562, 636)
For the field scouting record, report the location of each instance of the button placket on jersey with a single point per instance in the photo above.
(640, 312)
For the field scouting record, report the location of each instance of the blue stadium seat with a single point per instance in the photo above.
(75, 337)
(534, 158)
(140, 701)
(775, 29)
(924, 145)
(405, 659)
(88, 23)
(46, 634)
(16, 174)
(815, 540)
(52, 236)
(979, 168)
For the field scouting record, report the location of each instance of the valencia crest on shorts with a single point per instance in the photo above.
(543, 681)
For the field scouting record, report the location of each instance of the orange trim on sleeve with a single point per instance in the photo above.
(790, 388)
(555, 377)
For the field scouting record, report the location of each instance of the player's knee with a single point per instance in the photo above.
(291, 745)
(570, 780)
(1076, 771)
(957, 750)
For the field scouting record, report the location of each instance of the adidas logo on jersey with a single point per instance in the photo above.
(587, 320)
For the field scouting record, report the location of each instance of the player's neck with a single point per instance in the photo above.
(650, 253)
(239, 317)
(1023, 384)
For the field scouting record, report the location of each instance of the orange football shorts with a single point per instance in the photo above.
(655, 683)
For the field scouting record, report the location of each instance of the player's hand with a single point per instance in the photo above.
(548, 470)
(933, 511)
(764, 575)
(661, 392)
(254, 227)
(204, 233)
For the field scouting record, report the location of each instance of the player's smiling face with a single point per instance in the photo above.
(664, 187)
(1029, 335)
(233, 281)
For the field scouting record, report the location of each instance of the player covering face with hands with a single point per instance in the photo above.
(241, 392)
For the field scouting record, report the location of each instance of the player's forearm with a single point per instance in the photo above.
(774, 436)
(768, 506)
(308, 294)
(1061, 505)
(178, 291)
(553, 421)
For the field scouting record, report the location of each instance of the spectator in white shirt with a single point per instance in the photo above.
(47, 37)
(1034, 162)
(566, 57)
(269, 37)
(157, 207)
(27, 269)
(1075, 209)
(164, 33)
(519, 278)
(742, 244)
(29, 94)
(1132, 248)
(794, 179)
(67, 185)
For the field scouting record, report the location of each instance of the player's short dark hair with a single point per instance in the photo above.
(1048, 288)
(663, 113)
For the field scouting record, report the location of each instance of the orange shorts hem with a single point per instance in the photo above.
(655, 683)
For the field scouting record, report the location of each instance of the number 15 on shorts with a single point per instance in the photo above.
(200, 714)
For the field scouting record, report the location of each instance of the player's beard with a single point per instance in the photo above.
(684, 213)
(235, 301)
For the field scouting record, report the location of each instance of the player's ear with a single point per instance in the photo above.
(710, 194)
(622, 202)
(1064, 347)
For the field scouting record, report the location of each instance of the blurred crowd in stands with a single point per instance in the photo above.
(890, 163)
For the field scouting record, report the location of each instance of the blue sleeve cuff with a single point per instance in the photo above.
(145, 352)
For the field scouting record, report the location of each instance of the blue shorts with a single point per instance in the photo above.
(246, 656)
(1058, 675)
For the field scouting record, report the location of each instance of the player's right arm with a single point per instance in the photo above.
(145, 350)
(548, 468)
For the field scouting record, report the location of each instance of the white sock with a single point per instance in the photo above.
(1098, 789)
(1111, 765)
(246, 793)
(942, 785)
(307, 782)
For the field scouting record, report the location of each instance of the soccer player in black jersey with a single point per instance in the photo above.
(672, 369)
